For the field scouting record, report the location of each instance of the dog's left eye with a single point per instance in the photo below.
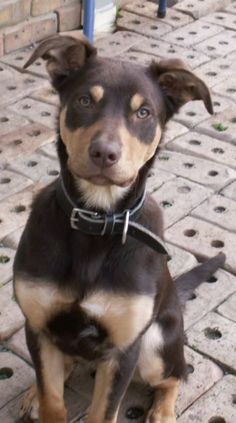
(85, 100)
(143, 113)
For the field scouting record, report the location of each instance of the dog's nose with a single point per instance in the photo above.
(104, 154)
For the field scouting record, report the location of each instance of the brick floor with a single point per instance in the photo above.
(194, 181)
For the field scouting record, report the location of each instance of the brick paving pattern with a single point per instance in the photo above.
(193, 180)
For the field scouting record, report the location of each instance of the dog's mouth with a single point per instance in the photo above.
(101, 179)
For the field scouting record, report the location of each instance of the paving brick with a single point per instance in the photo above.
(193, 113)
(231, 8)
(14, 211)
(149, 9)
(141, 25)
(177, 198)
(207, 297)
(1, 45)
(199, 8)
(173, 130)
(157, 178)
(179, 261)
(11, 317)
(6, 72)
(216, 71)
(227, 88)
(199, 170)
(223, 19)
(12, 239)
(69, 17)
(230, 191)
(6, 262)
(138, 57)
(11, 183)
(49, 150)
(215, 336)
(10, 121)
(18, 58)
(17, 344)
(221, 126)
(216, 406)
(203, 374)
(24, 141)
(29, 32)
(219, 210)
(117, 43)
(46, 95)
(13, 11)
(201, 145)
(170, 50)
(219, 45)
(36, 111)
(203, 239)
(228, 308)
(193, 33)
(22, 377)
(37, 167)
(40, 7)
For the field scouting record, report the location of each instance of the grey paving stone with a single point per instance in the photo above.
(193, 113)
(11, 183)
(207, 297)
(201, 145)
(223, 19)
(138, 57)
(37, 167)
(215, 336)
(178, 197)
(230, 191)
(6, 262)
(219, 45)
(228, 308)
(217, 405)
(218, 210)
(171, 51)
(157, 178)
(24, 141)
(203, 171)
(21, 378)
(7, 72)
(172, 131)
(18, 58)
(49, 150)
(227, 88)
(199, 8)
(141, 25)
(10, 122)
(193, 34)
(117, 43)
(179, 261)
(37, 111)
(12, 239)
(203, 374)
(221, 126)
(216, 71)
(11, 317)
(46, 94)
(203, 239)
(17, 344)
(231, 8)
(173, 17)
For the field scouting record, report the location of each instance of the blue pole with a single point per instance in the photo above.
(162, 9)
(89, 12)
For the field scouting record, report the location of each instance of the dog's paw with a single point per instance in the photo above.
(30, 405)
(156, 417)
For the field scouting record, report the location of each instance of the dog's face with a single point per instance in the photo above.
(113, 113)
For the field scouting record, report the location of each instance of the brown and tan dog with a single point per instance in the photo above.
(86, 294)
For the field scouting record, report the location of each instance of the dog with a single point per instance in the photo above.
(90, 273)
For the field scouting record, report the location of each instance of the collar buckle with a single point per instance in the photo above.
(76, 213)
(126, 226)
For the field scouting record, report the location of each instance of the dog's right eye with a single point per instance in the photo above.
(85, 100)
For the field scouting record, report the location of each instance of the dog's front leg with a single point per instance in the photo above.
(112, 379)
(49, 364)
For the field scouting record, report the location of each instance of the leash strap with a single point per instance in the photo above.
(93, 223)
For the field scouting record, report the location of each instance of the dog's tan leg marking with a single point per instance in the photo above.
(163, 408)
(103, 386)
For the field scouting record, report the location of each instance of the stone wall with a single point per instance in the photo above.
(23, 22)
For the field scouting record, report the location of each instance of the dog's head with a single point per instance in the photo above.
(113, 113)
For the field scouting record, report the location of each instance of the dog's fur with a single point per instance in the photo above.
(91, 296)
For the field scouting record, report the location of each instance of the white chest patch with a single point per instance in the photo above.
(150, 364)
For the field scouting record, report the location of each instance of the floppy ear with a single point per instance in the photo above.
(180, 85)
(63, 54)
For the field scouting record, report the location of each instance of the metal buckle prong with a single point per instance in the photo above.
(74, 218)
(126, 225)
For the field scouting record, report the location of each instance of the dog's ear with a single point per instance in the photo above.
(179, 84)
(63, 54)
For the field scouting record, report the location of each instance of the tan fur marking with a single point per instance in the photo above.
(163, 408)
(103, 197)
(136, 102)
(123, 316)
(40, 300)
(97, 92)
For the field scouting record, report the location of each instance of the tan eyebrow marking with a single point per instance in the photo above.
(136, 101)
(97, 92)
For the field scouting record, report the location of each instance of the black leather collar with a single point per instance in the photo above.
(93, 223)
